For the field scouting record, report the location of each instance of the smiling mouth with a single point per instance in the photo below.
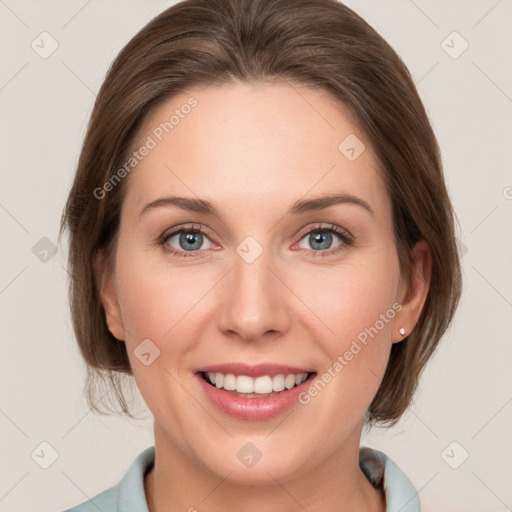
(263, 386)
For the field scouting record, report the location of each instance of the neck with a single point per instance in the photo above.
(178, 483)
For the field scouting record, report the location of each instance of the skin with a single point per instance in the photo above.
(252, 150)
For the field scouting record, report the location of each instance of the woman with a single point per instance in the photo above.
(260, 234)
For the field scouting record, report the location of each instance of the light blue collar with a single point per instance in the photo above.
(401, 496)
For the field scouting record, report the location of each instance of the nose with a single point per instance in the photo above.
(255, 303)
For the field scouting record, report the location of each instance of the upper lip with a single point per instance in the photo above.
(253, 370)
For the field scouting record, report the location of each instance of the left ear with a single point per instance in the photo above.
(413, 290)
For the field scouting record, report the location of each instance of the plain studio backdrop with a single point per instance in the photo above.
(454, 443)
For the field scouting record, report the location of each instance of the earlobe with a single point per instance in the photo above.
(414, 291)
(104, 277)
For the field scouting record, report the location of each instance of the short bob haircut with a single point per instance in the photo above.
(319, 44)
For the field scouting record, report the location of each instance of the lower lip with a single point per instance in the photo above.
(252, 408)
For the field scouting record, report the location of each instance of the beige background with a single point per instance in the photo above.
(466, 392)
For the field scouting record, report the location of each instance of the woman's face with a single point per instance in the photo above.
(267, 282)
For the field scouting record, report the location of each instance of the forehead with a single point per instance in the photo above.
(259, 143)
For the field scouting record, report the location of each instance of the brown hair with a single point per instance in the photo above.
(316, 43)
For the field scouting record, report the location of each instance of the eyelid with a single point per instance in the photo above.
(182, 227)
(341, 232)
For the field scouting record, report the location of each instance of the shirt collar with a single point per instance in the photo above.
(401, 496)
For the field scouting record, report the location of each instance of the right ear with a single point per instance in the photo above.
(105, 282)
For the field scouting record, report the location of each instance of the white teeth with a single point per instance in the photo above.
(278, 383)
(229, 382)
(289, 382)
(263, 385)
(260, 385)
(244, 384)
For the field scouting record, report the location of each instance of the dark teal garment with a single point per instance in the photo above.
(128, 494)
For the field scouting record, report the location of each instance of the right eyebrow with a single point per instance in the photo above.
(185, 203)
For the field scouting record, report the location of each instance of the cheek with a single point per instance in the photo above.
(358, 307)
(159, 305)
(361, 315)
(355, 302)
(157, 301)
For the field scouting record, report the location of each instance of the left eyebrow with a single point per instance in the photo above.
(298, 207)
(322, 202)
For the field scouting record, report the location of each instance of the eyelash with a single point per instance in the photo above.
(346, 239)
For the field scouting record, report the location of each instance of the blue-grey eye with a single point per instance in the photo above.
(188, 240)
(320, 239)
